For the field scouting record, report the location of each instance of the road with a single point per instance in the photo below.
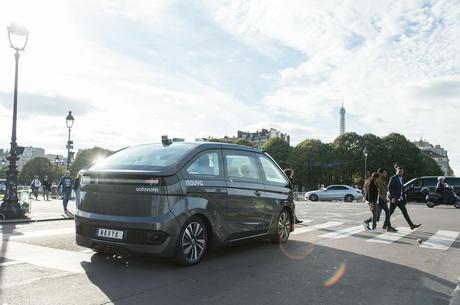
(329, 259)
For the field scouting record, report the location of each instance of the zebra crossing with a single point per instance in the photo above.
(439, 240)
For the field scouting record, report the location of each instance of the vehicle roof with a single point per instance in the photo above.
(215, 145)
(436, 177)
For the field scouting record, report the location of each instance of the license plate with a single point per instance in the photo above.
(108, 233)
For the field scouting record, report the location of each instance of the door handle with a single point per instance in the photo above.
(257, 193)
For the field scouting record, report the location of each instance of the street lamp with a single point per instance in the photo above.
(3, 162)
(69, 121)
(56, 161)
(18, 37)
(365, 153)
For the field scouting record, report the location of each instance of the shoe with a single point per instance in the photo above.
(413, 227)
(366, 226)
(391, 229)
(297, 221)
(384, 227)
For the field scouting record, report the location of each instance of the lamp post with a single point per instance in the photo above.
(365, 153)
(18, 36)
(56, 162)
(69, 121)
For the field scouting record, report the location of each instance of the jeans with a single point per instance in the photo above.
(384, 206)
(66, 198)
(46, 194)
(401, 204)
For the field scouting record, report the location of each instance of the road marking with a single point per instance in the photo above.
(41, 233)
(389, 237)
(45, 257)
(442, 240)
(317, 227)
(344, 232)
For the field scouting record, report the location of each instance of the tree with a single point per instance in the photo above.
(36, 167)
(85, 158)
(279, 150)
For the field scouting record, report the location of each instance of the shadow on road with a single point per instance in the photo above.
(261, 273)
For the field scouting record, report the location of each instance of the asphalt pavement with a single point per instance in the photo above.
(329, 259)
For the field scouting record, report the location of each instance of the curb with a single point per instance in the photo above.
(456, 295)
(14, 221)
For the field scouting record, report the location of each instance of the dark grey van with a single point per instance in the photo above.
(418, 188)
(178, 200)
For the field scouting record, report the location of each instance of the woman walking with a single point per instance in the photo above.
(372, 194)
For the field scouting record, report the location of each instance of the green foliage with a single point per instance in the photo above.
(87, 157)
(37, 166)
(279, 150)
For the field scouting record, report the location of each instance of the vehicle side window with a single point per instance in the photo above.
(272, 172)
(206, 164)
(332, 188)
(342, 188)
(430, 182)
(453, 181)
(418, 183)
(242, 166)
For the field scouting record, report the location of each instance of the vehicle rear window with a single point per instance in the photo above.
(154, 157)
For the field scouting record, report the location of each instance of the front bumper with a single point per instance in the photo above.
(142, 235)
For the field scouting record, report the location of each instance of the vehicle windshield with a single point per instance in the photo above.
(150, 157)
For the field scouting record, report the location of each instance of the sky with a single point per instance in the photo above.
(133, 70)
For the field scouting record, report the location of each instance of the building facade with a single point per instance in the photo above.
(260, 137)
(29, 154)
(436, 152)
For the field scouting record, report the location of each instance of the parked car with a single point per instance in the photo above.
(335, 192)
(419, 188)
(181, 199)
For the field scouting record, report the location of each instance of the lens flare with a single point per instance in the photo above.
(335, 278)
(298, 252)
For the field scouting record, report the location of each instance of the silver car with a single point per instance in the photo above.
(335, 192)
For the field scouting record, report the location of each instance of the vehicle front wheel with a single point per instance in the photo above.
(430, 204)
(192, 242)
(313, 197)
(349, 198)
(283, 228)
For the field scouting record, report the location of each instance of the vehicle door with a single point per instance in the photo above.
(342, 191)
(330, 193)
(414, 189)
(203, 179)
(455, 183)
(277, 187)
(244, 208)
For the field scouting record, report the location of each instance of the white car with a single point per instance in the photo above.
(335, 192)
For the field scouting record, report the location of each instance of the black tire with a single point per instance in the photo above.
(283, 228)
(349, 198)
(192, 242)
(430, 205)
(103, 252)
(313, 197)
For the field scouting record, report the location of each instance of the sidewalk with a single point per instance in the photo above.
(42, 210)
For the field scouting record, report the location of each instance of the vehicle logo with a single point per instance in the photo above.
(194, 183)
(144, 189)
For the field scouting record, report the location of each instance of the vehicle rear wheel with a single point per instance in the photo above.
(430, 204)
(192, 242)
(313, 197)
(283, 228)
(349, 198)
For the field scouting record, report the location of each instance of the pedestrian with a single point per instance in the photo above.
(35, 185)
(65, 184)
(382, 199)
(290, 174)
(372, 194)
(398, 196)
(76, 188)
(46, 188)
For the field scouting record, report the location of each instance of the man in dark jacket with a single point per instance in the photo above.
(398, 196)
(65, 183)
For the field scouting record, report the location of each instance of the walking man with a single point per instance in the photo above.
(65, 184)
(46, 188)
(382, 199)
(398, 196)
(35, 185)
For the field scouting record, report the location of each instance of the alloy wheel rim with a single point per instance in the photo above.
(283, 226)
(193, 241)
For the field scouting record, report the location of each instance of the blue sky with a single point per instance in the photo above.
(134, 70)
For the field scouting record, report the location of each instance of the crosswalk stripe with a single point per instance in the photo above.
(317, 227)
(389, 237)
(442, 240)
(40, 233)
(45, 257)
(344, 232)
